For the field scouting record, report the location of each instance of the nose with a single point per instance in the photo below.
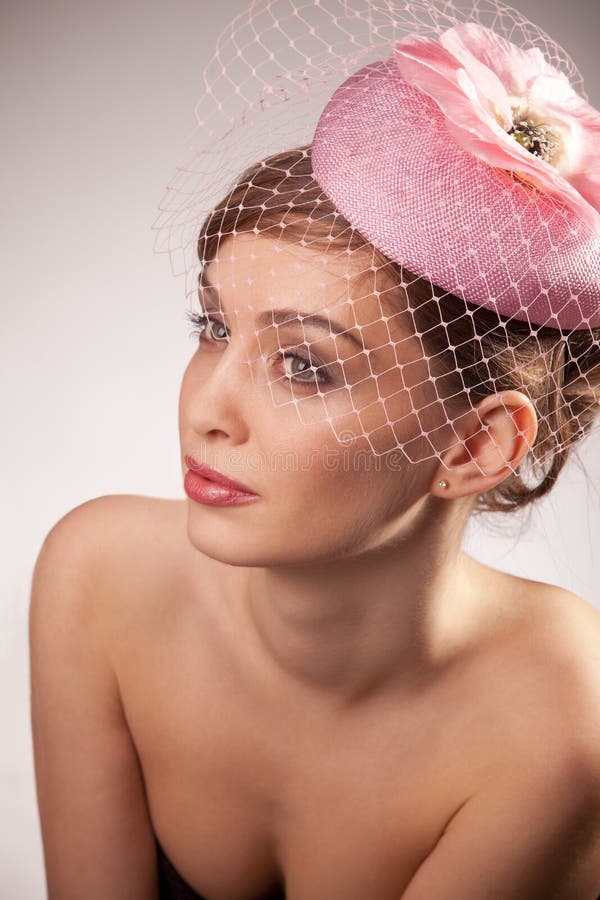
(217, 396)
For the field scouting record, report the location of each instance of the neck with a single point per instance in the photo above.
(388, 614)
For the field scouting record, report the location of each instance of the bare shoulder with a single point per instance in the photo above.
(571, 636)
(96, 825)
(130, 549)
(566, 628)
(551, 671)
(114, 529)
(121, 516)
(535, 714)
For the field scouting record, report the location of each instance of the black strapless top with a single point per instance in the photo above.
(173, 887)
(171, 884)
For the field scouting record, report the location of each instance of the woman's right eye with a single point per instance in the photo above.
(216, 332)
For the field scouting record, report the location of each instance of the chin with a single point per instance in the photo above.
(238, 545)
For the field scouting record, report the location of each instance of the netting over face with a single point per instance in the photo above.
(388, 217)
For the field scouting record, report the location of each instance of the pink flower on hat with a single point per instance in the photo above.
(511, 108)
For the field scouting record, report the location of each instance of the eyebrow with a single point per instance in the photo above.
(287, 315)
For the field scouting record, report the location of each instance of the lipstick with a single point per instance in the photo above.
(206, 485)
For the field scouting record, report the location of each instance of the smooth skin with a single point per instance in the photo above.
(321, 684)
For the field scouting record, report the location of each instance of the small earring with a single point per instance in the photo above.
(443, 484)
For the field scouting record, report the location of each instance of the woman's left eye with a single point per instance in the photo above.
(317, 373)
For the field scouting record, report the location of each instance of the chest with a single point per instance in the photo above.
(242, 788)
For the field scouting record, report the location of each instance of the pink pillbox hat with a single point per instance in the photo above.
(384, 155)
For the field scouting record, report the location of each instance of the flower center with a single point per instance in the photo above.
(540, 139)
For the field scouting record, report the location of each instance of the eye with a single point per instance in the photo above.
(305, 367)
(298, 369)
(213, 328)
(218, 330)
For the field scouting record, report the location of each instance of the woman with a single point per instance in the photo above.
(299, 684)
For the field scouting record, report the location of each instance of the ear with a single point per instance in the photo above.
(492, 440)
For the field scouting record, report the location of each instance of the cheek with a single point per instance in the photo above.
(192, 382)
(184, 392)
(355, 485)
(321, 473)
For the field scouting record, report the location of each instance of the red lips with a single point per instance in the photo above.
(215, 476)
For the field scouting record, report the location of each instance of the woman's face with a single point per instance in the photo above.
(318, 445)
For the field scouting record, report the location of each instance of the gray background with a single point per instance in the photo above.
(97, 100)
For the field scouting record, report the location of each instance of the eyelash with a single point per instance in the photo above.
(202, 320)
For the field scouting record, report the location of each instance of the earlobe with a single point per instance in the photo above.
(493, 439)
